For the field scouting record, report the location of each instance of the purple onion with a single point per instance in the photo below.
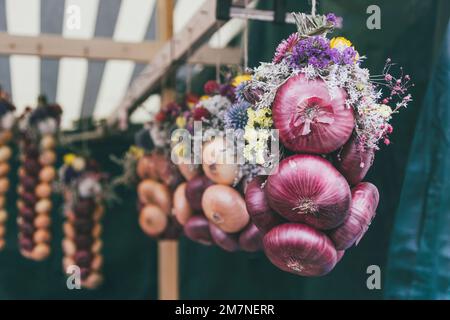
(197, 229)
(226, 241)
(258, 207)
(300, 249)
(251, 239)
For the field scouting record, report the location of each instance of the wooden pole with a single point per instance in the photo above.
(168, 270)
(168, 284)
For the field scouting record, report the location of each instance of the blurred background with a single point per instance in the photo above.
(408, 240)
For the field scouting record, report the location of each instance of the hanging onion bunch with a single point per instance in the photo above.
(331, 116)
(158, 176)
(38, 131)
(212, 208)
(158, 179)
(83, 186)
(7, 120)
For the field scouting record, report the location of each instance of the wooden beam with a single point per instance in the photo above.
(165, 19)
(212, 56)
(52, 46)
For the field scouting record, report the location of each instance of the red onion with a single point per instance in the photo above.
(364, 203)
(197, 229)
(227, 241)
(258, 207)
(169, 174)
(194, 191)
(308, 189)
(300, 249)
(250, 239)
(340, 255)
(309, 119)
(354, 163)
(173, 230)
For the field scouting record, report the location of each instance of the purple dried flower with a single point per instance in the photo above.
(334, 20)
(348, 56)
(227, 90)
(315, 51)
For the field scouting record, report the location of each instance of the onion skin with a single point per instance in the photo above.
(217, 165)
(300, 249)
(153, 220)
(309, 190)
(251, 239)
(365, 199)
(197, 229)
(225, 207)
(258, 208)
(308, 118)
(188, 171)
(227, 241)
(354, 164)
(169, 174)
(181, 208)
(152, 192)
(340, 255)
(195, 189)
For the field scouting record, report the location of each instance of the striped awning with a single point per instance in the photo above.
(85, 88)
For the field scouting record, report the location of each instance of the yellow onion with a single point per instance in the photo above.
(40, 251)
(43, 206)
(47, 142)
(41, 236)
(225, 207)
(4, 169)
(153, 220)
(152, 192)
(43, 190)
(47, 174)
(3, 216)
(5, 153)
(92, 281)
(47, 158)
(218, 162)
(5, 136)
(4, 185)
(42, 220)
(181, 208)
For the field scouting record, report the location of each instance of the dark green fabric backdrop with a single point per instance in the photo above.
(419, 259)
(411, 34)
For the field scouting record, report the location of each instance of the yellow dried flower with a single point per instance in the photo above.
(241, 78)
(181, 122)
(340, 43)
(69, 158)
(136, 152)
